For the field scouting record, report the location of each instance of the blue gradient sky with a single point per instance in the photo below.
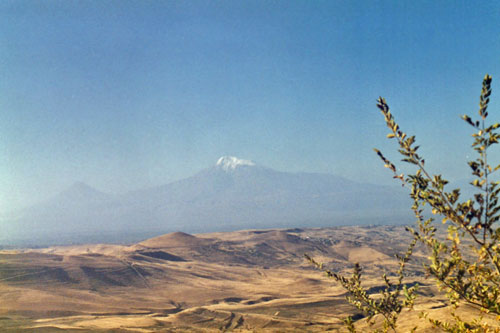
(127, 94)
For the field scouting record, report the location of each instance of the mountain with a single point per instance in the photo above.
(233, 194)
(79, 193)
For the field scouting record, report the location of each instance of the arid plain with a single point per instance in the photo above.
(252, 280)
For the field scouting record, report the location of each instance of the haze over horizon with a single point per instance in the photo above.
(232, 194)
(124, 95)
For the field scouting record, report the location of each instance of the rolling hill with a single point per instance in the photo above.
(242, 281)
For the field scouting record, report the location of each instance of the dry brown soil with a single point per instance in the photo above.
(252, 280)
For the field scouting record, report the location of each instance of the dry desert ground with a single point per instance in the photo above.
(244, 281)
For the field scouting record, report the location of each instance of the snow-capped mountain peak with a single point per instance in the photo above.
(230, 163)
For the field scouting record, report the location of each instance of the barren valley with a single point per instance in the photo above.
(252, 280)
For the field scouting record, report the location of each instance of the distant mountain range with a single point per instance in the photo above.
(233, 194)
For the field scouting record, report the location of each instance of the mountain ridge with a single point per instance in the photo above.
(233, 194)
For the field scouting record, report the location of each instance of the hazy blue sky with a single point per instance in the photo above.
(128, 94)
